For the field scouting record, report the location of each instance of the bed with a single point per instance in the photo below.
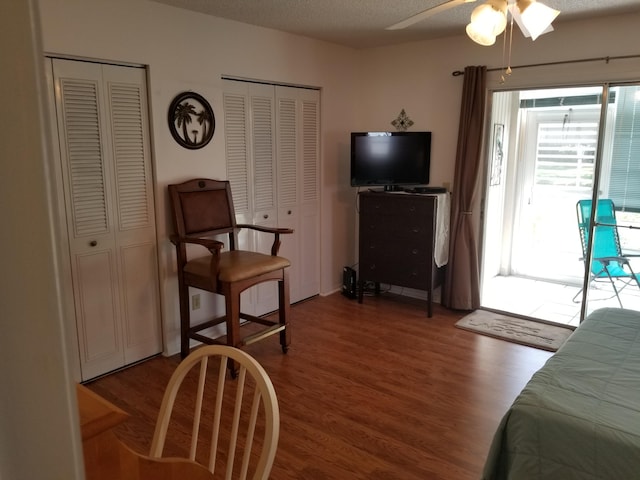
(579, 415)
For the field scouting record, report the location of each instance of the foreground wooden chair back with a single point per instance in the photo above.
(236, 423)
(203, 209)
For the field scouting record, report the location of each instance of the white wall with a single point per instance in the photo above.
(184, 51)
(39, 433)
(188, 51)
(418, 76)
(361, 90)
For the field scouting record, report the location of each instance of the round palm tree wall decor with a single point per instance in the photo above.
(191, 120)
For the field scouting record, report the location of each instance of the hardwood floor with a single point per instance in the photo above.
(367, 391)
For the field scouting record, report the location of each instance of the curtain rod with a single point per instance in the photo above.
(458, 73)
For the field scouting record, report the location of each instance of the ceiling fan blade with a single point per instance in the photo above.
(427, 13)
(515, 13)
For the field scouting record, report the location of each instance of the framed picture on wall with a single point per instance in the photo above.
(191, 120)
(497, 154)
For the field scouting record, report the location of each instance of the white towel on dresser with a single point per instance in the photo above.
(441, 247)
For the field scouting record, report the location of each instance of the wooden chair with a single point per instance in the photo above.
(202, 209)
(244, 419)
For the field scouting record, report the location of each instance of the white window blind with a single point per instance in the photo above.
(565, 154)
(624, 182)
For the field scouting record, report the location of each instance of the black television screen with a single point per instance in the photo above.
(390, 158)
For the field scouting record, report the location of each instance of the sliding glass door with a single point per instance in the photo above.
(550, 150)
(612, 259)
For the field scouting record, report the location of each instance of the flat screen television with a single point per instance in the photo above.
(389, 159)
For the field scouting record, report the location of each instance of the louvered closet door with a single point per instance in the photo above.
(271, 135)
(310, 193)
(103, 134)
(251, 169)
(263, 153)
(238, 149)
(288, 181)
(297, 127)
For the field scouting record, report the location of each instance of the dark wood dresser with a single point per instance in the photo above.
(397, 238)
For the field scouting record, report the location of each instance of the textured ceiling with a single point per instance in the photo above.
(361, 23)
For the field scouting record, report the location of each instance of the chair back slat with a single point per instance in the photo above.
(251, 429)
(197, 413)
(235, 424)
(250, 401)
(217, 415)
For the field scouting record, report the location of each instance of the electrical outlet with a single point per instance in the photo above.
(195, 302)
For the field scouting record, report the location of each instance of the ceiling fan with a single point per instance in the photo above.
(429, 12)
(490, 19)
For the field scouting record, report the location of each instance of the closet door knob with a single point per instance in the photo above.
(93, 243)
(265, 216)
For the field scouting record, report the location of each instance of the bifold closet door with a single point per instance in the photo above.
(249, 118)
(108, 191)
(298, 184)
(272, 149)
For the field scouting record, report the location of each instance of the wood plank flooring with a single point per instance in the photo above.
(367, 391)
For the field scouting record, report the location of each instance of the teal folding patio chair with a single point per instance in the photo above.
(608, 264)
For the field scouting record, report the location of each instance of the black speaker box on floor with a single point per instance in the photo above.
(349, 282)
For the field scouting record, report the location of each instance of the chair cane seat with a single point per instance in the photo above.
(237, 265)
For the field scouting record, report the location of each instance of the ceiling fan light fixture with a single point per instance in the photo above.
(536, 17)
(488, 21)
(480, 36)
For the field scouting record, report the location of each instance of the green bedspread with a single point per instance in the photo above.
(579, 415)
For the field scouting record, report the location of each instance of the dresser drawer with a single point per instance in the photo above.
(397, 205)
(397, 240)
(407, 272)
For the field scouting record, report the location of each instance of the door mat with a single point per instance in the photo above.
(517, 330)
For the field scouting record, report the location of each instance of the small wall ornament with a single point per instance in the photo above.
(402, 122)
(191, 120)
(497, 154)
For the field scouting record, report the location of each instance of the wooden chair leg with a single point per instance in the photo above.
(232, 314)
(185, 320)
(232, 306)
(283, 310)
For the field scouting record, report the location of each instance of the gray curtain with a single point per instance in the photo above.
(462, 280)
